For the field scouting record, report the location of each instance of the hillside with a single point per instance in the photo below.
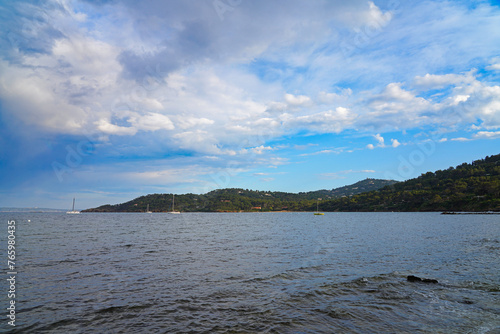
(241, 199)
(468, 187)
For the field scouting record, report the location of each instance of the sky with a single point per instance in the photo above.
(106, 101)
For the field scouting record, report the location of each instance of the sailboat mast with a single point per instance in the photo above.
(73, 204)
(173, 199)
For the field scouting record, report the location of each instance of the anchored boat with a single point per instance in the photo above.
(72, 212)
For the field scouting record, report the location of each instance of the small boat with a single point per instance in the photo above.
(147, 210)
(173, 206)
(317, 213)
(73, 212)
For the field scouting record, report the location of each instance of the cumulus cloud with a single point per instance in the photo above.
(177, 72)
(151, 122)
(460, 139)
(112, 129)
(494, 64)
(433, 81)
(395, 143)
(297, 100)
(487, 135)
(330, 121)
(381, 142)
(494, 67)
(397, 108)
(329, 98)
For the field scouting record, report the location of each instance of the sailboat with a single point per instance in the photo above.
(73, 210)
(317, 213)
(173, 207)
(147, 210)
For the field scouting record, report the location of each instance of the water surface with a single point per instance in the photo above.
(256, 273)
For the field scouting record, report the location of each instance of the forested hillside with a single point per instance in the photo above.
(242, 199)
(468, 187)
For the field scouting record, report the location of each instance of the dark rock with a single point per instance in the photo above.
(429, 280)
(412, 278)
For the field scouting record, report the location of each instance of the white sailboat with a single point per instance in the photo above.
(147, 210)
(173, 207)
(317, 213)
(73, 210)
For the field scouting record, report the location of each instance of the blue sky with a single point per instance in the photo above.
(109, 100)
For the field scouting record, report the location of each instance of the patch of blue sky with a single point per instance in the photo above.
(272, 71)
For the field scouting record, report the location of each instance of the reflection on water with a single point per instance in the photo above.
(274, 272)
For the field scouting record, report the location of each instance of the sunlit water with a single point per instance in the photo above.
(255, 273)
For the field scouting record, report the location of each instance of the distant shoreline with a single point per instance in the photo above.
(20, 210)
(31, 210)
(470, 213)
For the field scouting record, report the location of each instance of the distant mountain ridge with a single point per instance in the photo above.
(237, 199)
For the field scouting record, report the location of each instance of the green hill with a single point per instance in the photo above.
(234, 199)
(468, 187)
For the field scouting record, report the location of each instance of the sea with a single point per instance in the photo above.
(251, 273)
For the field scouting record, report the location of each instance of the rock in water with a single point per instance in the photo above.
(412, 278)
(429, 280)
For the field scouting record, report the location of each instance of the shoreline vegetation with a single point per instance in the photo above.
(470, 188)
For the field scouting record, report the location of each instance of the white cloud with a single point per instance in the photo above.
(396, 108)
(380, 140)
(151, 122)
(330, 121)
(186, 122)
(327, 151)
(297, 100)
(330, 98)
(187, 174)
(395, 143)
(487, 135)
(393, 92)
(495, 64)
(364, 15)
(261, 149)
(434, 81)
(494, 67)
(112, 129)
(33, 98)
(88, 56)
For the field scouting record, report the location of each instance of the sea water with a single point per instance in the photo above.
(253, 273)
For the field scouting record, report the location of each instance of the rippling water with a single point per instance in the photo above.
(255, 273)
